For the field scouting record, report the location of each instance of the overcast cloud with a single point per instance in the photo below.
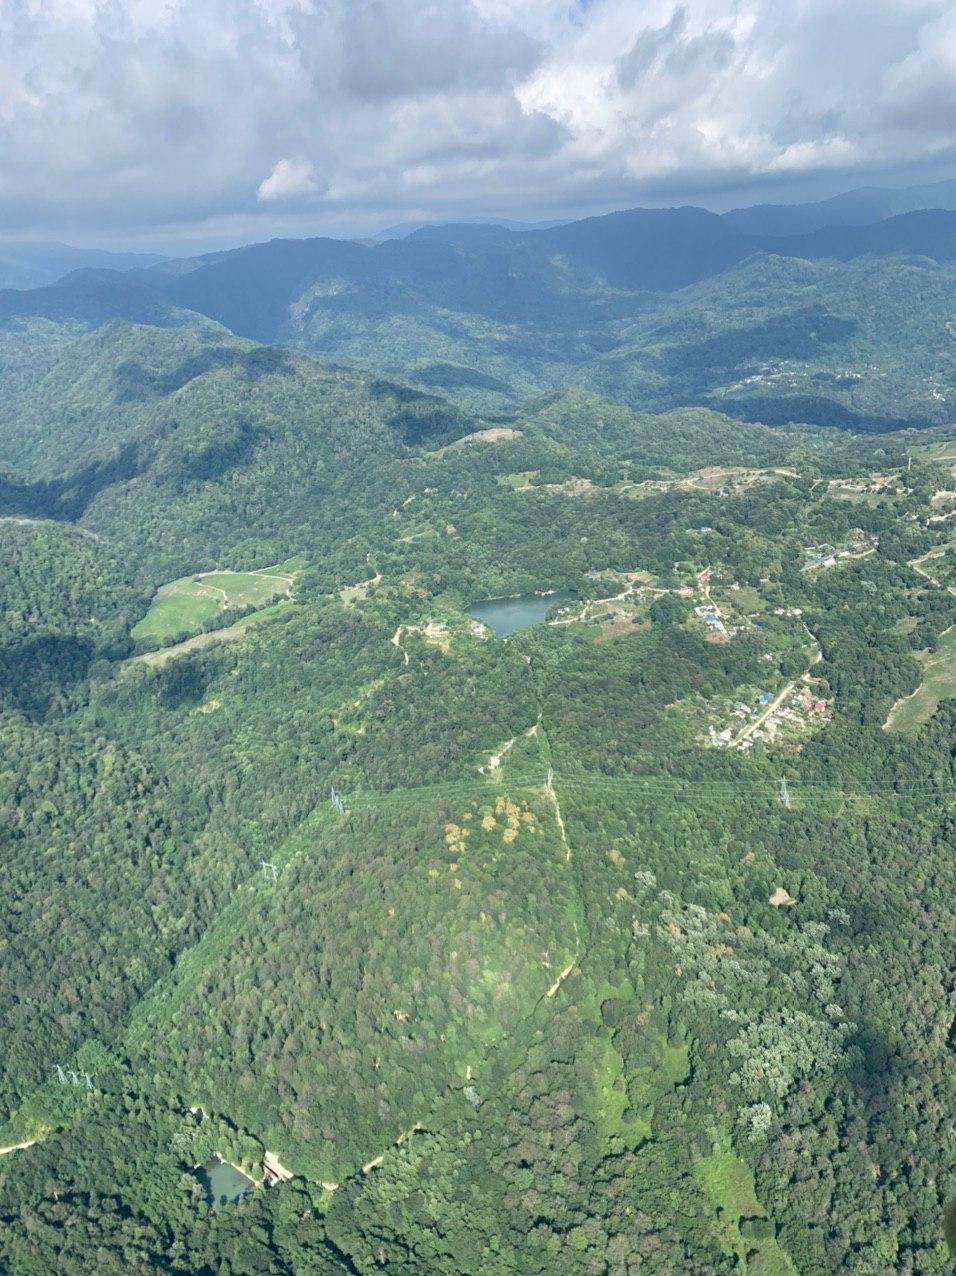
(154, 118)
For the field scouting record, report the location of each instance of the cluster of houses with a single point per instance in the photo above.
(801, 706)
(876, 484)
(858, 543)
(718, 622)
(711, 615)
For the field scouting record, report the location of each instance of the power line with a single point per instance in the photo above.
(650, 786)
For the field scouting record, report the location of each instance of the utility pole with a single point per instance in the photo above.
(785, 793)
(268, 868)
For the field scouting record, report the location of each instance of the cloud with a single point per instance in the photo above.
(420, 48)
(139, 116)
(289, 179)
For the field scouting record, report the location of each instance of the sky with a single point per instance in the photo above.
(158, 123)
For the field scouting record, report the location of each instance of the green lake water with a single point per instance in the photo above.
(506, 615)
(223, 1181)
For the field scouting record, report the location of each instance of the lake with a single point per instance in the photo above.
(224, 1184)
(505, 615)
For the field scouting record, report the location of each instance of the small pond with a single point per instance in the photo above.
(505, 615)
(224, 1184)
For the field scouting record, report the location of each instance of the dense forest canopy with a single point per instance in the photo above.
(622, 943)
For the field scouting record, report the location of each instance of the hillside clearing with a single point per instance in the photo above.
(161, 657)
(939, 683)
(728, 1182)
(496, 434)
(185, 605)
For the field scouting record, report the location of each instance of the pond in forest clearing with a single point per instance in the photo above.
(506, 615)
(224, 1184)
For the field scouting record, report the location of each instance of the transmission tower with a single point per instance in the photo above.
(268, 868)
(550, 784)
(338, 803)
(88, 1080)
(60, 1074)
(74, 1076)
(785, 793)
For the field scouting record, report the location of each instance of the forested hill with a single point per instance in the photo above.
(840, 324)
(621, 943)
(184, 446)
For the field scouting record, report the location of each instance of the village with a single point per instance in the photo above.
(787, 718)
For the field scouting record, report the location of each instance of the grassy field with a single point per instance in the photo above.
(939, 683)
(520, 479)
(184, 606)
(943, 451)
(242, 626)
(729, 1184)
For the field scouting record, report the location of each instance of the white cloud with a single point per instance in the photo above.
(289, 179)
(144, 113)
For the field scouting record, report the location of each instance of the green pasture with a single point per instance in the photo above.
(183, 606)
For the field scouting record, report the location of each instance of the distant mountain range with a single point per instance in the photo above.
(31, 265)
(853, 208)
(268, 291)
(764, 312)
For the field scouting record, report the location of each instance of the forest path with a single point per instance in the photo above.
(396, 641)
(915, 564)
(16, 1147)
(495, 760)
(553, 797)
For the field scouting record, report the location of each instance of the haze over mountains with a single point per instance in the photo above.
(31, 264)
(769, 313)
